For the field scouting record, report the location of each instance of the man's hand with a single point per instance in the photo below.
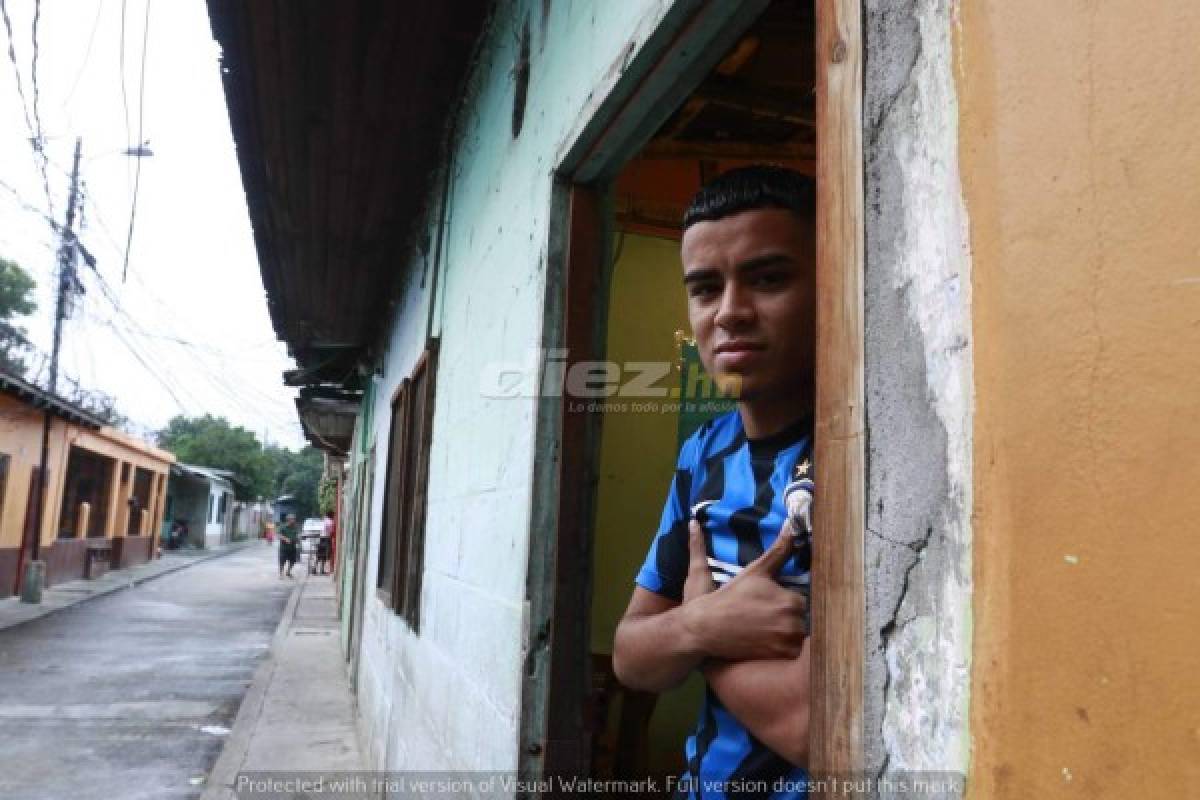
(699, 578)
(659, 641)
(752, 617)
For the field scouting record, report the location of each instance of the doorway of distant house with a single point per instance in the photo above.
(89, 480)
(625, 307)
(139, 500)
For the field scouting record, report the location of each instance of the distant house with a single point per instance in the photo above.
(201, 499)
(104, 489)
(250, 519)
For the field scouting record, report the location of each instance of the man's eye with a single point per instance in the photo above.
(703, 290)
(769, 280)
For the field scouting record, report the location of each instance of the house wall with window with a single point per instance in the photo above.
(105, 470)
(451, 696)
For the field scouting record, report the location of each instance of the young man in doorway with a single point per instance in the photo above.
(718, 590)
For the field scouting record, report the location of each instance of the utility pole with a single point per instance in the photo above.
(35, 568)
(66, 268)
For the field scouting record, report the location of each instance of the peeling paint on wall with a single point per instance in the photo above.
(919, 397)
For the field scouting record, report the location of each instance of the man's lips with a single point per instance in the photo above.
(737, 346)
(737, 356)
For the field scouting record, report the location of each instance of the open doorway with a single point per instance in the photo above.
(89, 479)
(625, 305)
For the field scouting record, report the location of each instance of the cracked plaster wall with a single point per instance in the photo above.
(919, 398)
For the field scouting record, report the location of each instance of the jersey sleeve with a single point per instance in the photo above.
(665, 567)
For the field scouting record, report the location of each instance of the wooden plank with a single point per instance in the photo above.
(566, 752)
(836, 745)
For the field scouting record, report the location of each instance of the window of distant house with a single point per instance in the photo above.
(222, 507)
(212, 508)
(402, 547)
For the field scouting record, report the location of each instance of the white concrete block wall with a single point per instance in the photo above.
(450, 698)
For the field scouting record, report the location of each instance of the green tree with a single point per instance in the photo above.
(297, 473)
(210, 441)
(266, 472)
(16, 300)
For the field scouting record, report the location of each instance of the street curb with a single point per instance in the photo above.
(237, 547)
(219, 784)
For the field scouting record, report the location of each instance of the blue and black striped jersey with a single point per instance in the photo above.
(734, 486)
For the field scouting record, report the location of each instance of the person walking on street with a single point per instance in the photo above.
(325, 544)
(289, 540)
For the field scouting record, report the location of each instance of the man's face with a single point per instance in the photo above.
(752, 299)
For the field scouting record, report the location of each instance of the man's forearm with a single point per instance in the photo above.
(656, 652)
(770, 697)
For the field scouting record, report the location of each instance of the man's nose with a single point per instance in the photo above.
(736, 309)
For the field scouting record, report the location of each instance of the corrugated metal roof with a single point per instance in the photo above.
(338, 111)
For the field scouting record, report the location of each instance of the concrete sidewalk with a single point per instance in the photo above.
(64, 595)
(298, 715)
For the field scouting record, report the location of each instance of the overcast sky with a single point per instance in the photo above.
(187, 331)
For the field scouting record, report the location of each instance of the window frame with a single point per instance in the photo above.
(385, 575)
(402, 529)
(418, 438)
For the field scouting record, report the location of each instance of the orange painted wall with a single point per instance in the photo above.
(1080, 158)
(21, 440)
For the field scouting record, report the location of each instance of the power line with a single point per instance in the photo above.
(87, 54)
(129, 346)
(12, 56)
(35, 135)
(124, 95)
(26, 205)
(172, 313)
(212, 377)
(33, 75)
(137, 170)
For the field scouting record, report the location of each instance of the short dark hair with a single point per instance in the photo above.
(748, 188)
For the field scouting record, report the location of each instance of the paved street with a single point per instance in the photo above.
(131, 695)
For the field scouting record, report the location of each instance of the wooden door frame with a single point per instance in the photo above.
(839, 590)
(669, 65)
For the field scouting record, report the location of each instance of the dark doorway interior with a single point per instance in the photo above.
(139, 500)
(89, 479)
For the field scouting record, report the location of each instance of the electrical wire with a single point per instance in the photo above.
(170, 312)
(12, 56)
(35, 140)
(33, 73)
(86, 55)
(27, 206)
(137, 169)
(133, 351)
(213, 377)
(124, 94)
